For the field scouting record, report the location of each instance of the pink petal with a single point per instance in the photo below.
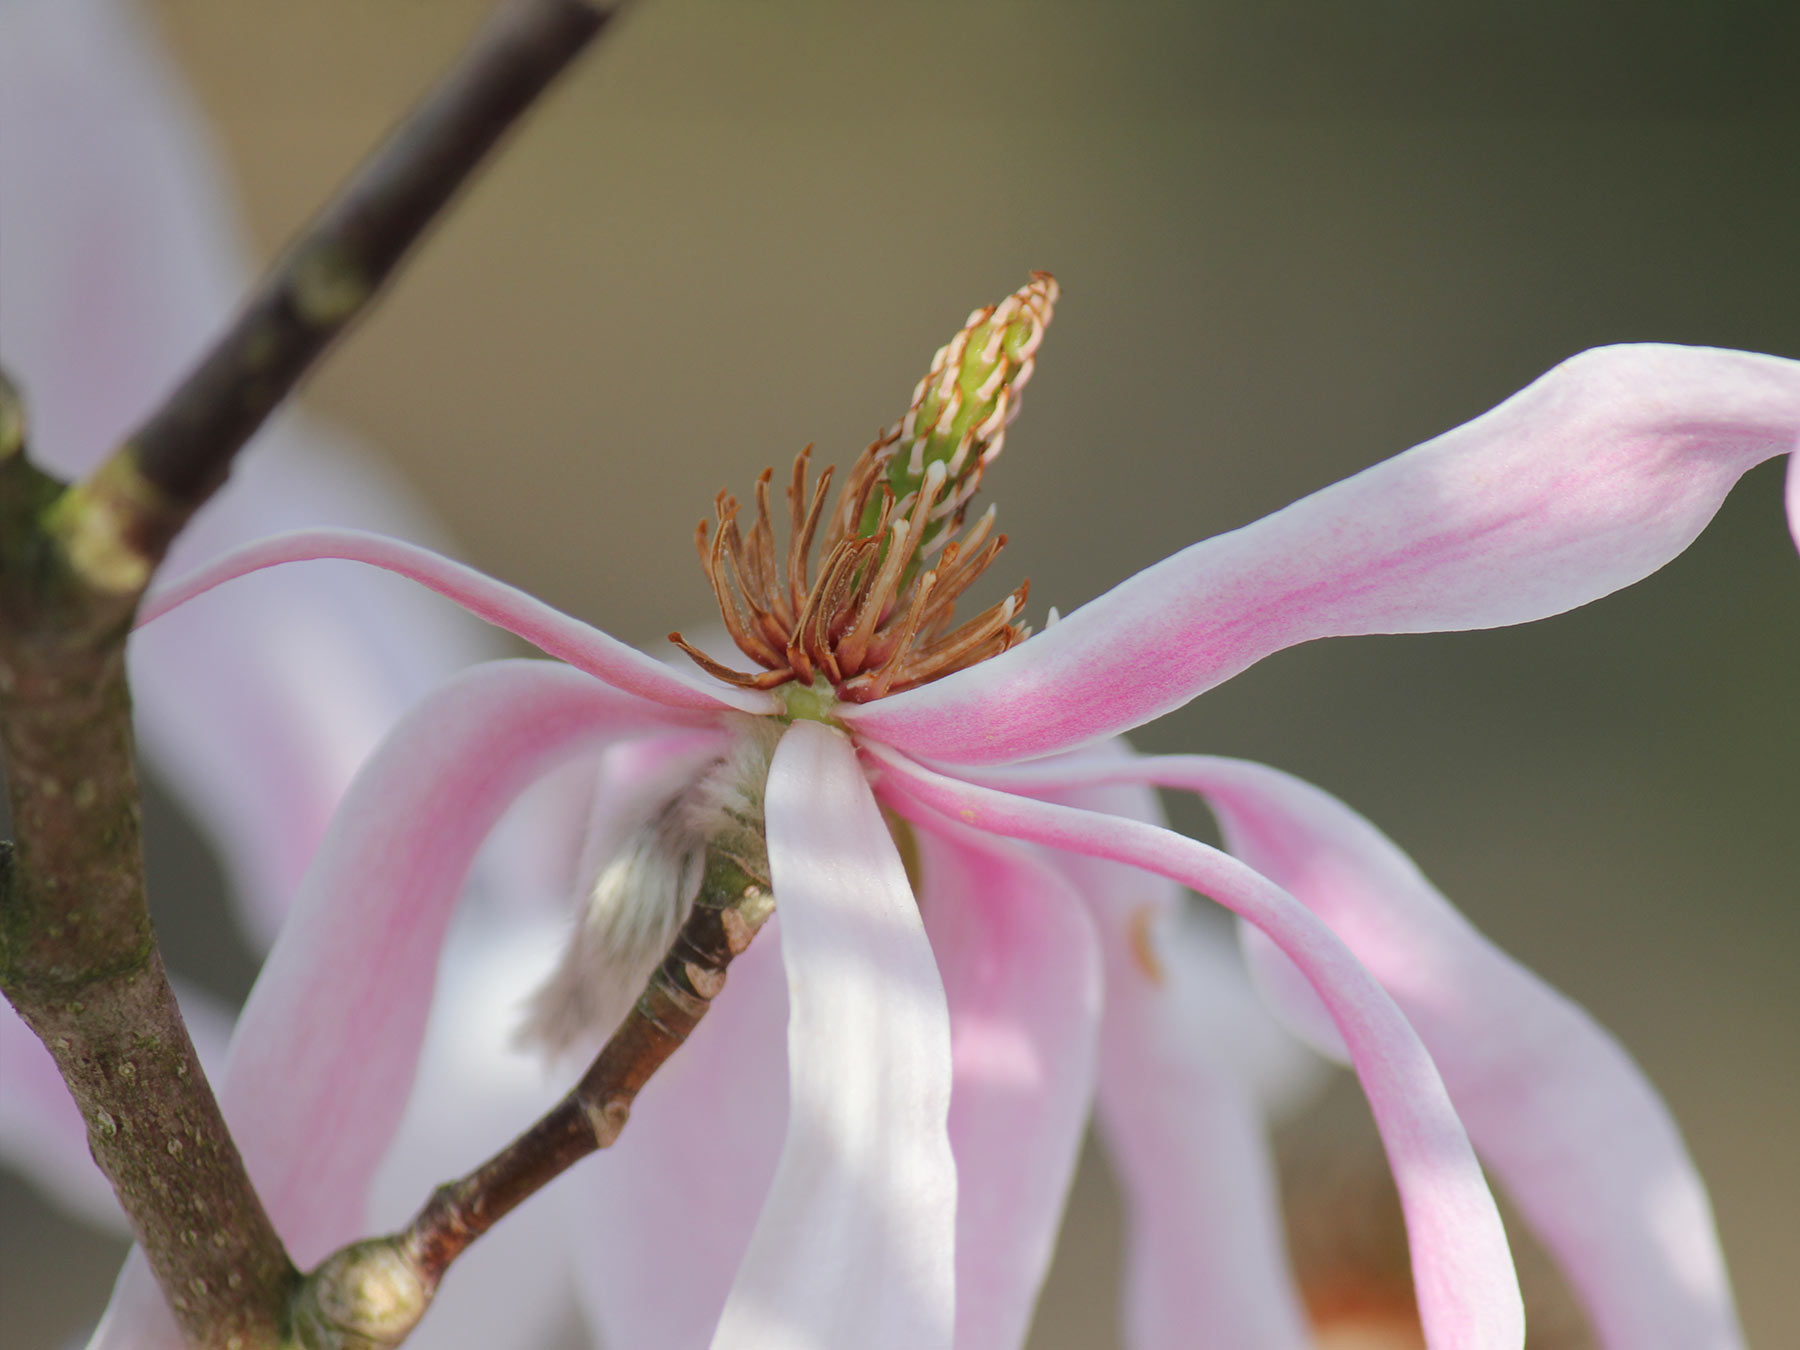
(582, 646)
(1556, 1107)
(1190, 1065)
(1586, 481)
(856, 1243)
(1468, 1295)
(323, 1059)
(1187, 1134)
(1021, 970)
(259, 706)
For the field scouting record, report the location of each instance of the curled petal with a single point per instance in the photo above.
(323, 1059)
(1468, 1295)
(856, 1243)
(1557, 1109)
(1191, 1067)
(581, 645)
(1020, 963)
(1586, 481)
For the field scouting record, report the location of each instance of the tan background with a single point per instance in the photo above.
(1293, 239)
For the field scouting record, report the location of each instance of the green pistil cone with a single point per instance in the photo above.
(961, 409)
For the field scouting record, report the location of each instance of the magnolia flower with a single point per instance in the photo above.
(941, 1049)
(803, 1193)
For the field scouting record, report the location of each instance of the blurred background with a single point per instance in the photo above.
(1292, 239)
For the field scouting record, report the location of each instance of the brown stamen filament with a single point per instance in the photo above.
(877, 618)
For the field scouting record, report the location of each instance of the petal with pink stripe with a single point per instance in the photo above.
(550, 630)
(1584, 482)
(1467, 1291)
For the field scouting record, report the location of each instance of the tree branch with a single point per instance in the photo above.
(332, 271)
(78, 958)
(77, 955)
(370, 1295)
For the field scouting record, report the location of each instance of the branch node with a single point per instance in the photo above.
(368, 1296)
(113, 528)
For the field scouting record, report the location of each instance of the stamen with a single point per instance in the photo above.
(878, 616)
(975, 632)
(876, 601)
(884, 674)
(768, 679)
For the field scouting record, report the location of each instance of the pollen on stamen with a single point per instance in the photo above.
(893, 557)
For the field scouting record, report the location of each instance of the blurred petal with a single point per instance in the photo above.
(475, 1090)
(136, 1317)
(1186, 1130)
(856, 1243)
(1557, 1109)
(1586, 481)
(259, 706)
(323, 1060)
(1191, 1066)
(1468, 1295)
(324, 1054)
(1793, 498)
(119, 263)
(691, 1171)
(582, 646)
(1020, 964)
(639, 1202)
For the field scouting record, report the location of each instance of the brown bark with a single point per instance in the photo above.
(78, 958)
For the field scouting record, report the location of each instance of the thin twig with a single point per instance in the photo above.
(373, 1293)
(78, 958)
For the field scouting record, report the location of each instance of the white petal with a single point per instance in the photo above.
(856, 1244)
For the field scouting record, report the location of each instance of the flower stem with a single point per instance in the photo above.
(370, 1295)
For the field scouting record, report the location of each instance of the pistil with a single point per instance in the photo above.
(893, 555)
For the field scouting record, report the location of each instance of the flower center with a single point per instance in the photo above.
(877, 617)
(896, 551)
